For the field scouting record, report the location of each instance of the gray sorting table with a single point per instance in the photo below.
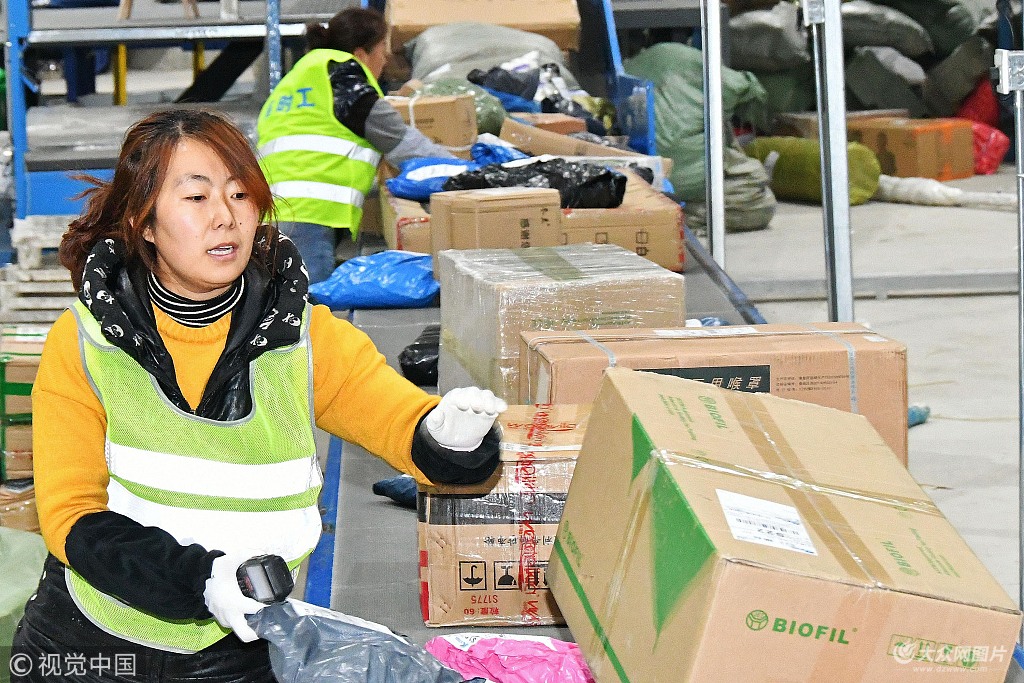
(375, 569)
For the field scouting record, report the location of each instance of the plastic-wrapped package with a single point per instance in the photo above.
(419, 359)
(796, 172)
(495, 538)
(773, 40)
(489, 296)
(512, 658)
(579, 185)
(990, 146)
(310, 643)
(423, 176)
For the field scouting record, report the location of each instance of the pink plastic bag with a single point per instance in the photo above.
(511, 658)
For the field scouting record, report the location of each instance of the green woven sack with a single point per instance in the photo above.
(489, 112)
(797, 171)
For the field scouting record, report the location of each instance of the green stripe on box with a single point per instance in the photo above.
(679, 544)
(642, 447)
(547, 261)
(595, 623)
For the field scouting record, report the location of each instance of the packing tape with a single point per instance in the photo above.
(851, 360)
(848, 549)
(608, 352)
(412, 110)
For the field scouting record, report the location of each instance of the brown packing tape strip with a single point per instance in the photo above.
(851, 552)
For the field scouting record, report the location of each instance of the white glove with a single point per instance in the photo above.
(463, 417)
(224, 598)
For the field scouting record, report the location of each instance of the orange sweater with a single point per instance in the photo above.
(356, 396)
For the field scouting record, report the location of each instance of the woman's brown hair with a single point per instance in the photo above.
(348, 29)
(126, 205)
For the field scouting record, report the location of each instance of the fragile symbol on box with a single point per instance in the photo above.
(472, 576)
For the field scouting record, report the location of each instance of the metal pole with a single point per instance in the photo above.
(274, 42)
(229, 10)
(1018, 126)
(714, 127)
(824, 19)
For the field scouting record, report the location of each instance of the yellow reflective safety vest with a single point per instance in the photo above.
(319, 171)
(249, 485)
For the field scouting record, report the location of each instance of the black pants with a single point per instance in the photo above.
(56, 642)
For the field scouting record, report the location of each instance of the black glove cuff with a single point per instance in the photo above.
(446, 466)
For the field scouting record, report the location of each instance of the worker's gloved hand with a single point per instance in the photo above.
(463, 417)
(224, 598)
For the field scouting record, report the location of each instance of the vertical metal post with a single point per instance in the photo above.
(714, 127)
(229, 10)
(274, 42)
(824, 19)
(19, 23)
(1018, 127)
(1009, 68)
(119, 70)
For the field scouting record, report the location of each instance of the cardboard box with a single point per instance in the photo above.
(708, 533)
(558, 20)
(371, 222)
(537, 141)
(16, 451)
(448, 120)
(942, 149)
(20, 349)
(484, 549)
(647, 223)
(563, 124)
(495, 218)
(804, 124)
(18, 508)
(405, 223)
(489, 296)
(838, 365)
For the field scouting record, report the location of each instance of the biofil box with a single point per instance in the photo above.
(484, 549)
(715, 535)
(839, 365)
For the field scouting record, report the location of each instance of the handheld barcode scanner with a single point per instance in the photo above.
(265, 578)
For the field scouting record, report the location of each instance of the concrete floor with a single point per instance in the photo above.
(962, 348)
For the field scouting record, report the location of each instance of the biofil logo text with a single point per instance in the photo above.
(758, 620)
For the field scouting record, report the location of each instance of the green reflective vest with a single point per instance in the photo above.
(318, 170)
(250, 485)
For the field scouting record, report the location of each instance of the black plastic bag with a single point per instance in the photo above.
(419, 359)
(579, 185)
(521, 83)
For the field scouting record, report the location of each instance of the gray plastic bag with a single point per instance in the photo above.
(310, 643)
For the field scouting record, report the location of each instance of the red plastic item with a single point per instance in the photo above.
(990, 147)
(981, 105)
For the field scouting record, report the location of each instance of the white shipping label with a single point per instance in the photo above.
(756, 520)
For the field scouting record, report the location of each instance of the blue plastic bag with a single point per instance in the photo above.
(422, 177)
(485, 153)
(388, 279)
(515, 103)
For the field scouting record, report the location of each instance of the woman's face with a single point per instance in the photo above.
(376, 58)
(204, 226)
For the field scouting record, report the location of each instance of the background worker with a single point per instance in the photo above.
(174, 408)
(323, 131)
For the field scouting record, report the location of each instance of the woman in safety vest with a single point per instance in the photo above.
(173, 416)
(323, 131)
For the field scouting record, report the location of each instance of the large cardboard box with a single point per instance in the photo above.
(15, 451)
(405, 223)
(490, 296)
(537, 141)
(838, 365)
(647, 223)
(448, 120)
(495, 218)
(484, 549)
(804, 124)
(942, 149)
(563, 124)
(709, 533)
(558, 20)
(18, 507)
